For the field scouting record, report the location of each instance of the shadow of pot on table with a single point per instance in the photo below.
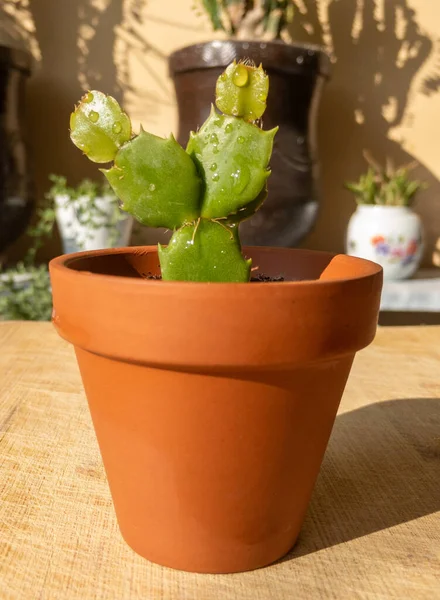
(381, 469)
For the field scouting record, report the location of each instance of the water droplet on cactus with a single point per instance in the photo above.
(117, 127)
(215, 177)
(262, 98)
(218, 122)
(215, 149)
(241, 76)
(214, 138)
(88, 97)
(240, 179)
(223, 77)
(228, 128)
(235, 111)
(240, 139)
(213, 167)
(222, 191)
(93, 116)
(151, 187)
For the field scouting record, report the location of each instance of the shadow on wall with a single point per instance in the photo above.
(377, 56)
(381, 469)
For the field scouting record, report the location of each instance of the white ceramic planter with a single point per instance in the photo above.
(389, 235)
(77, 234)
(66, 221)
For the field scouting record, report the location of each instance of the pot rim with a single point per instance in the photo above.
(173, 324)
(222, 52)
(384, 206)
(15, 58)
(362, 268)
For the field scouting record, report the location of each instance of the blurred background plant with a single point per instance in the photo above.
(86, 212)
(386, 186)
(25, 292)
(255, 19)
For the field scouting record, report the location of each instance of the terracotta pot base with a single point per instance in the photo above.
(212, 428)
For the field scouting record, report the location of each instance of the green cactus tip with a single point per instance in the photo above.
(202, 193)
(242, 90)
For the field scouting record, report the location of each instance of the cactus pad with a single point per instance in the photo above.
(242, 91)
(99, 127)
(156, 181)
(204, 251)
(233, 157)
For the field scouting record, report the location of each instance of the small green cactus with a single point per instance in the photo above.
(202, 193)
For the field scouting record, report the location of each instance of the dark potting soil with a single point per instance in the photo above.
(260, 278)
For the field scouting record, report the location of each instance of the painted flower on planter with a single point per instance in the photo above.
(413, 246)
(395, 250)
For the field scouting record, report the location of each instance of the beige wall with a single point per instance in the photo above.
(383, 95)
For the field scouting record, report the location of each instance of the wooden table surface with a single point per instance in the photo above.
(372, 530)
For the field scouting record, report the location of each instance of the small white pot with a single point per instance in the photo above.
(389, 235)
(66, 221)
(78, 234)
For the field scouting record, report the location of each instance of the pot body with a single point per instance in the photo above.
(80, 232)
(389, 235)
(213, 403)
(297, 74)
(16, 185)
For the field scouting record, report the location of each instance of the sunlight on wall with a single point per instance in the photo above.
(20, 26)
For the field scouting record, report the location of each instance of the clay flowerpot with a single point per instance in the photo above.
(213, 402)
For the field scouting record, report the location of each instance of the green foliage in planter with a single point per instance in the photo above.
(83, 200)
(201, 193)
(387, 186)
(250, 19)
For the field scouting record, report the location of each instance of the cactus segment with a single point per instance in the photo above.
(242, 90)
(156, 181)
(232, 156)
(99, 127)
(204, 251)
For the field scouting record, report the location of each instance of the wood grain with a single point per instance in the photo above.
(372, 530)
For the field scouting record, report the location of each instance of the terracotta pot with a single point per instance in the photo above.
(297, 75)
(213, 403)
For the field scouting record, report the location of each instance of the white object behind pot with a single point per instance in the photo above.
(389, 235)
(66, 221)
(77, 235)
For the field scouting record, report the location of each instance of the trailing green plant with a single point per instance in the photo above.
(84, 199)
(25, 294)
(202, 193)
(250, 19)
(388, 186)
(25, 291)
